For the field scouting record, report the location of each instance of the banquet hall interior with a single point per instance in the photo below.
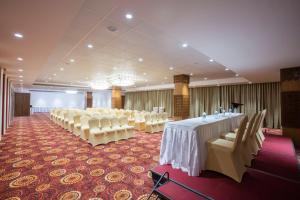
(145, 100)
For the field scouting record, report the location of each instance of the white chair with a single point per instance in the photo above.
(124, 124)
(84, 127)
(260, 135)
(139, 122)
(225, 156)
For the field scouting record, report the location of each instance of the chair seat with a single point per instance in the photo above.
(230, 136)
(221, 143)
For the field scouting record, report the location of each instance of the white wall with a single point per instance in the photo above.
(57, 100)
(102, 99)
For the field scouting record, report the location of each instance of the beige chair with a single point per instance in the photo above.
(104, 135)
(125, 124)
(139, 122)
(254, 143)
(160, 122)
(260, 135)
(115, 125)
(84, 127)
(71, 121)
(77, 125)
(225, 156)
(65, 121)
(150, 127)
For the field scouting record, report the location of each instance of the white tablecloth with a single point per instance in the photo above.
(183, 142)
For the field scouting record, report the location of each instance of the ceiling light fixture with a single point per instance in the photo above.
(71, 91)
(141, 59)
(20, 70)
(21, 80)
(122, 79)
(191, 74)
(18, 35)
(226, 69)
(211, 60)
(61, 69)
(129, 16)
(171, 68)
(20, 59)
(72, 60)
(144, 73)
(184, 45)
(115, 68)
(99, 85)
(236, 75)
(90, 46)
(205, 78)
(250, 82)
(20, 76)
(54, 74)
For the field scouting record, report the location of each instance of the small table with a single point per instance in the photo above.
(183, 142)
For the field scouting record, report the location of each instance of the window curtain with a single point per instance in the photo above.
(146, 100)
(204, 99)
(255, 97)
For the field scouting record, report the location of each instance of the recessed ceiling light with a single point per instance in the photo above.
(90, 46)
(20, 76)
(141, 59)
(20, 59)
(236, 74)
(191, 74)
(115, 68)
(184, 45)
(18, 35)
(49, 78)
(250, 82)
(226, 69)
(61, 69)
(54, 74)
(129, 16)
(21, 80)
(205, 78)
(20, 70)
(144, 73)
(146, 80)
(171, 68)
(211, 60)
(72, 60)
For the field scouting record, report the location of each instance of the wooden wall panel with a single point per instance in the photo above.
(89, 99)
(22, 104)
(181, 97)
(290, 103)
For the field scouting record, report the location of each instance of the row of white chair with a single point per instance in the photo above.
(230, 154)
(93, 127)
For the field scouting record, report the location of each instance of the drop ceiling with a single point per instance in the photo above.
(252, 38)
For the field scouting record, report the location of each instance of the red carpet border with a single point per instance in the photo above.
(40, 160)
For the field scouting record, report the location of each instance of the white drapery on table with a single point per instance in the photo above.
(183, 142)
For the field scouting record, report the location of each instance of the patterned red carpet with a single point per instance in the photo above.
(40, 160)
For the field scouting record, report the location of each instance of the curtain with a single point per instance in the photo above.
(146, 100)
(255, 97)
(204, 99)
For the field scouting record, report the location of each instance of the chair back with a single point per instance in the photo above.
(249, 129)
(115, 122)
(153, 117)
(105, 122)
(124, 121)
(240, 133)
(93, 123)
(84, 120)
(256, 125)
(261, 123)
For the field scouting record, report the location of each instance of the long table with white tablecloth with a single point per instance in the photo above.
(183, 142)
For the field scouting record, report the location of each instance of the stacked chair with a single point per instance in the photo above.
(231, 153)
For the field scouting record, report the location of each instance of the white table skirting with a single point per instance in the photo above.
(183, 142)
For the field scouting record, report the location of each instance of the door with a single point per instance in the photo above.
(22, 104)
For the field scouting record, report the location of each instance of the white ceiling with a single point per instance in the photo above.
(252, 38)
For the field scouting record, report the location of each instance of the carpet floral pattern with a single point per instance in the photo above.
(40, 160)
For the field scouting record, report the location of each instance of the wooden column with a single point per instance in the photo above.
(181, 97)
(116, 97)
(290, 103)
(89, 99)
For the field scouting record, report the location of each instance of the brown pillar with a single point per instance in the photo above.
(290, 103)
(89, 99)
(181, 97)
(116, 97)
